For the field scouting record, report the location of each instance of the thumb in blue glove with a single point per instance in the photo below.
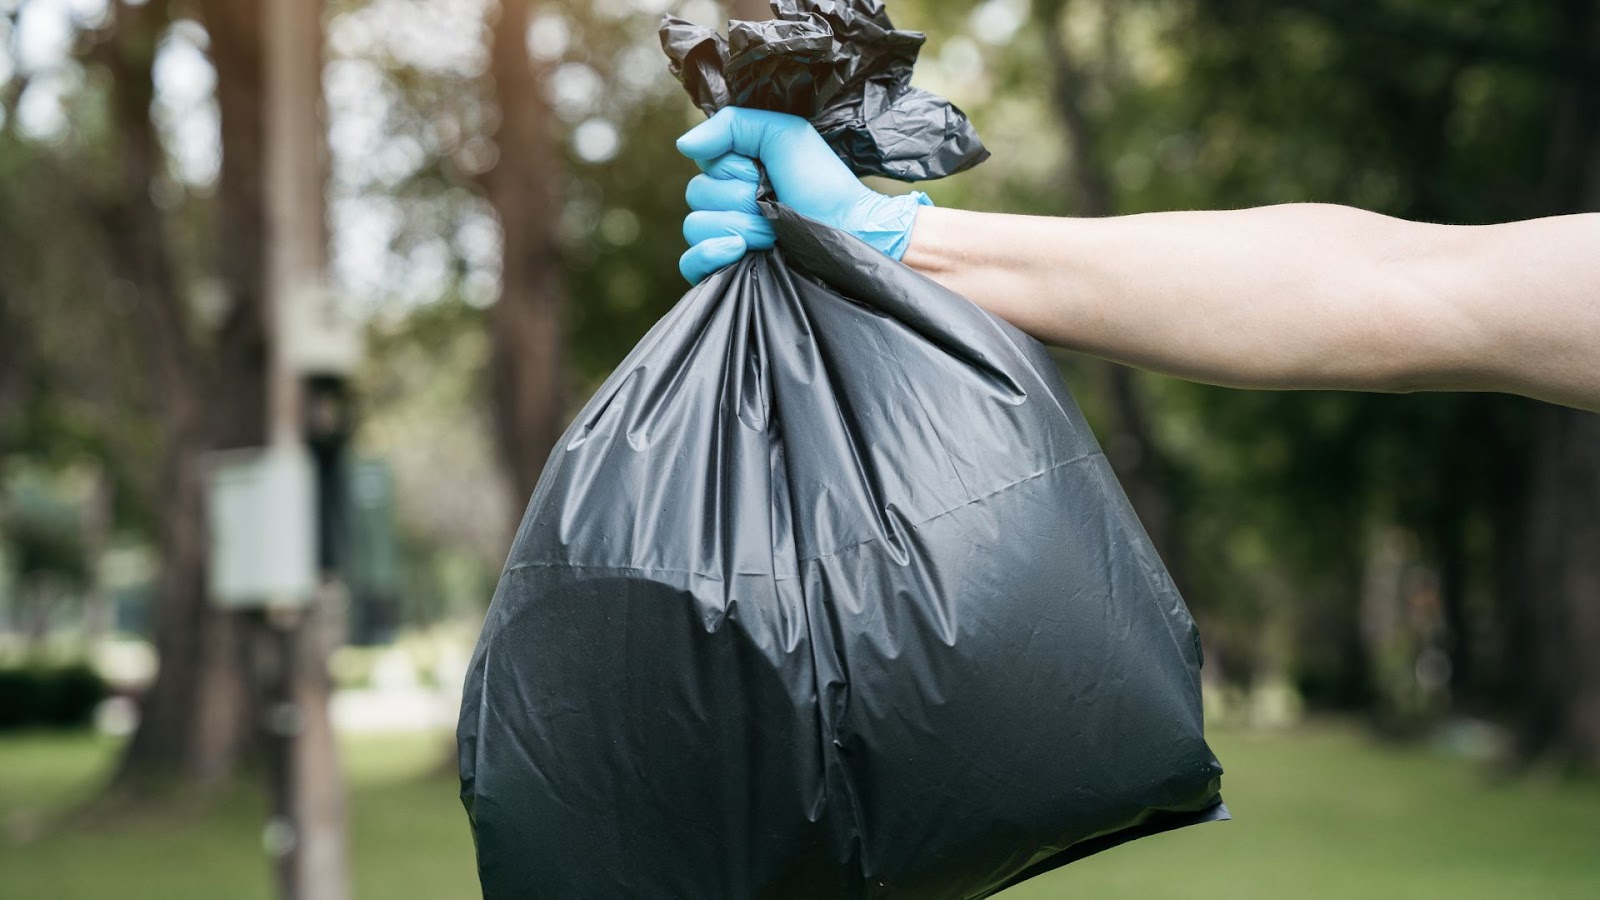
(805, 173)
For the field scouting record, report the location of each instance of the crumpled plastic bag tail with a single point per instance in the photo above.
(841, 64)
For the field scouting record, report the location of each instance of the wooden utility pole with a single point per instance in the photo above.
(749, 10)
(308, 829)
(296, 224)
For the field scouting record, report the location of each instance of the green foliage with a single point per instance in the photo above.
(1422, 109)
(81, 394)
(42, 533)
(1376, 108)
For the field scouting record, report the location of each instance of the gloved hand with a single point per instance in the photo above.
(805, 174)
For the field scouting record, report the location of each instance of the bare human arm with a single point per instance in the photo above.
(1295, 296)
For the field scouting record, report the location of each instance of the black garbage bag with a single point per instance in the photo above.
(829, 591)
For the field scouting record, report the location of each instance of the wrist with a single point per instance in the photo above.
(1004, 265)
(928, 247)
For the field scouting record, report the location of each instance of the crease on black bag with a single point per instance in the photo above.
(828, 592)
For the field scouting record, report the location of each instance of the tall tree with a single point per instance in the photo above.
(1560, 585)
(749, 10)
(192, 722)
(198, 717)
(526, 369)
(12, 362)
(235, 31)
(1130, 445)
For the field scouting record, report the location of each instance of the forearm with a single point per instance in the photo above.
(1297, 296)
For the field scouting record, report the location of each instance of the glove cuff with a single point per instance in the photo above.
(886, 224)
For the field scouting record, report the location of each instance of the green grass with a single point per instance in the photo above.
(408, 834)
(1322, 813)
(1326, 813)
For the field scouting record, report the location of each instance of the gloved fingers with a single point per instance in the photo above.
(804, 170)
(732, 166)
(705, 225)
(734, 130)
(708, 193)
(708, 256)
(774, 138)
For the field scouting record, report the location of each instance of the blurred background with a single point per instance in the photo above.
(352, 264)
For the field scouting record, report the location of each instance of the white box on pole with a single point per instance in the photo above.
(323, 336)
(262, 512)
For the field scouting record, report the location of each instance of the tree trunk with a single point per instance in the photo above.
(13, 368)
(1129, 445)
(1449, 542)
(239, 407)
(97, 608)
(749, 10)
(192, 720)
(524, 187)
(1560, 593)
(1089, 174)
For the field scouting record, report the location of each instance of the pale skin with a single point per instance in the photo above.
(1294, 296)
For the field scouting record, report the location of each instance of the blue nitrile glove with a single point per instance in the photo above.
(805, 174)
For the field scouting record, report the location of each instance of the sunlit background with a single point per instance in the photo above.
(1399, 595)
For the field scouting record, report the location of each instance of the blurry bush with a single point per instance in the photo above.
(49, 696)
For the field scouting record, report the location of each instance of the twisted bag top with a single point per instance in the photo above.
(844, 66)
(829, 591)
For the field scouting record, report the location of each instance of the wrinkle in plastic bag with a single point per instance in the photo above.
(844, 66)
(829, 591)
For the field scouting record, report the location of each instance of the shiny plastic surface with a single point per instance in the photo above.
(829, 592)
(843, 65)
